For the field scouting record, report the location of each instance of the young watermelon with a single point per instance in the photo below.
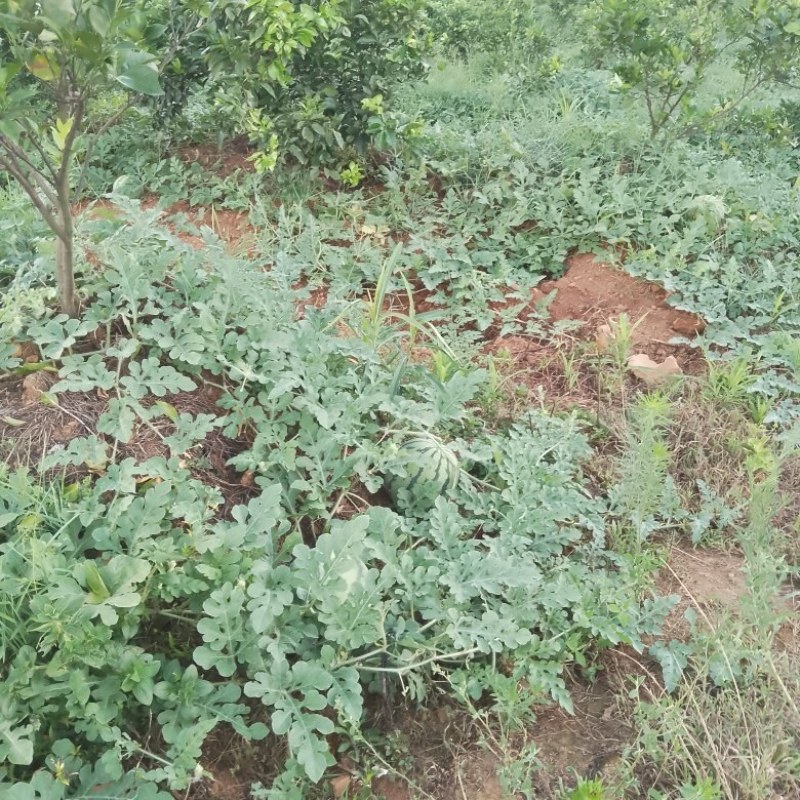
(423, 469)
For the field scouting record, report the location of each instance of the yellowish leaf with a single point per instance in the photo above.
(60, 132)
(169, 411)
(29, 523)
(43, 68)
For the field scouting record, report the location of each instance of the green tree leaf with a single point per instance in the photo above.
(43, 67)
(60, 13)
(142, 78)
(99, 19)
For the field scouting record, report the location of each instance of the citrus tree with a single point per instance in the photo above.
(57, 57)
(663, 51)
(60, 58)
(319, 90)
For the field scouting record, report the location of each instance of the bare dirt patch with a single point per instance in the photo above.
(29, 428)
(565, 368)
(594, 293)
(709, 581)
(454, 761)
(234, 764)
(547, 370)
(235, 157)
(588, 740)
(233, 227)
(708, 577)
(476, 777)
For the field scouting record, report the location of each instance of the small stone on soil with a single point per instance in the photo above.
(34, 385)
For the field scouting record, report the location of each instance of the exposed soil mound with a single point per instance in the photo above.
(233, 227)
(709, 581)
(595, 293)
(223, 163)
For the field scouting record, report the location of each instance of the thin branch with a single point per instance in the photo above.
(734, 42)
(727, 109)
(34, 140)
(30, 190)
(20, 160)
(416, 665)
(649, 101)
(686, 89)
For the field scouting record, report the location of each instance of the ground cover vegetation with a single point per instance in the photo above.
(376, 368)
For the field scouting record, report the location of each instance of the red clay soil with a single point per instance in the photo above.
(235, 156)
(233, 227)
(595, 293)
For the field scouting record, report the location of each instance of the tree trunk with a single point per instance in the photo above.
(65, 271)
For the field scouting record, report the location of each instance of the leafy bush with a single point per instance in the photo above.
(508, 30)
(330, 95)
(664, 51)
(22, 232)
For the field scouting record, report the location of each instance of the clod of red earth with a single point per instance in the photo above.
(688, 325)
(340, 785)
(389, 788)
(34, 385)
(27, 351)
(595, 293)
(317, 297)
(652, 372)
(603, 337)
(347, 785)
(476, 777)
(248, 478)
(223, 163)
(223, 786)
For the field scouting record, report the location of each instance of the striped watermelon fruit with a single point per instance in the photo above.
(422, 470)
